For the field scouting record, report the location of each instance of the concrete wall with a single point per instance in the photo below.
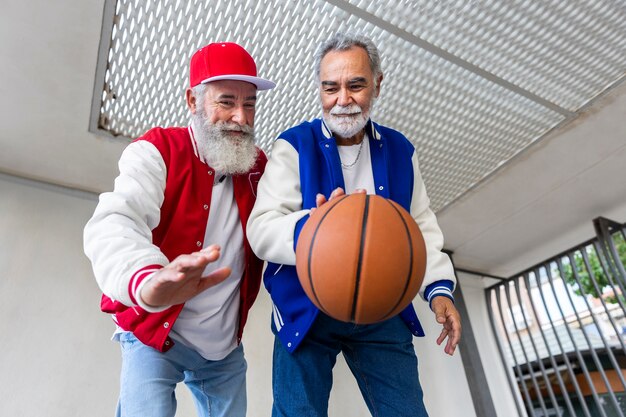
(55, 356)
(55, 353)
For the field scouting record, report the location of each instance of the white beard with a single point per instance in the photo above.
(347, 127)
(226, 153)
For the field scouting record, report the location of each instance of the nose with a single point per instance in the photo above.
(240, 116)
(344, 98)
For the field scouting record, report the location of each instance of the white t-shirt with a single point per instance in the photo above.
(209, 322)
(359, 175)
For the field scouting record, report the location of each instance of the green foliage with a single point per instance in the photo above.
(586, 286)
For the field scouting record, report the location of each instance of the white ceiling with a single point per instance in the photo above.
(538, 204)
(543, 202)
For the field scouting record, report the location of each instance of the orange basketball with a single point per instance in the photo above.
(361, 258)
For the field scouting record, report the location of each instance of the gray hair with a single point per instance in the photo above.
(199, 91)
(344, 41)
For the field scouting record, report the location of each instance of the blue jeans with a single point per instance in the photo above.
(149, 377)
(381, 357)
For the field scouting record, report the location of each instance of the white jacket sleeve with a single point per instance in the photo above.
(438, 264)
(118, 237)
(278, 207)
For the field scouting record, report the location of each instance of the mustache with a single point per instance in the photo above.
(222, 125)
(351, 109)
(234, 127)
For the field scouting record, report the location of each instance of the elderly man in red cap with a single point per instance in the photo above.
(169, 250)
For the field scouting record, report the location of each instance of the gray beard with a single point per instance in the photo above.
(347, 127)
(222, 151)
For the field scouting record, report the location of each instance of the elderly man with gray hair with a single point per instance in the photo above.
(345, 152)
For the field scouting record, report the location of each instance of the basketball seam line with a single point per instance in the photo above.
(357, 280)
(408, 279)
(311, 246)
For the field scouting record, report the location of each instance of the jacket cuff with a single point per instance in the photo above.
(439, 288)
(299, 225)
(138, 280)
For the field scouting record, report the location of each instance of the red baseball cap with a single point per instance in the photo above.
(224, 61)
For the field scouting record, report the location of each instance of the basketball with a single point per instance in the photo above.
(361, 258)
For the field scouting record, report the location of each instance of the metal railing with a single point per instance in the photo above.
(561, 329)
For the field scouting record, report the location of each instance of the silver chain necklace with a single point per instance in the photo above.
(357, 157)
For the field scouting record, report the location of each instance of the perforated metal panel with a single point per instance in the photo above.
(564, 51)
(470, 83)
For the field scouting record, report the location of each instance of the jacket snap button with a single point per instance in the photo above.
(166, 325)
(198, 243)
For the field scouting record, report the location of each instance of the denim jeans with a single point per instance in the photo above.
(381, 357)
(149, 377)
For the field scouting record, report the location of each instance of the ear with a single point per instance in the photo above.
(379, 80)
(191, 101)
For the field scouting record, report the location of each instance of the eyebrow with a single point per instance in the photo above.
(355, 80)
(232, 97)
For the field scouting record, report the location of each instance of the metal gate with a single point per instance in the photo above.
(561, 329)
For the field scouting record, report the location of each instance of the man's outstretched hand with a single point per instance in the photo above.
(182, 278)
(447, 315)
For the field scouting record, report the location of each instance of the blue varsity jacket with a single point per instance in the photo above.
(305, 161)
